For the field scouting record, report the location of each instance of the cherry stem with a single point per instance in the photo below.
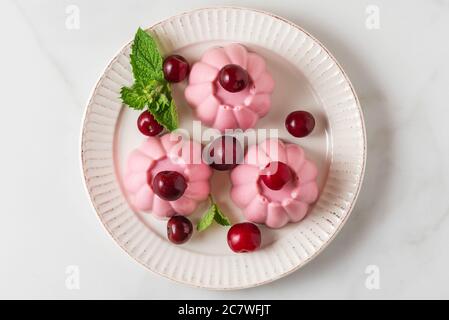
(211, 199)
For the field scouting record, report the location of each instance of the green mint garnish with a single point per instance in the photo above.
(146, 59)
(212, 214)
(150, 89)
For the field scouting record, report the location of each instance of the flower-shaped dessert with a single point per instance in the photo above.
(220, 108)
(176, 163)
(280, 196)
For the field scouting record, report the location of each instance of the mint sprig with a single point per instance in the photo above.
(212, 214)
(150, 89)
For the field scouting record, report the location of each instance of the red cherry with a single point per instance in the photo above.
(225, 153)
(275, 175)
(233, 78)
(244, 237)
(179, 229)
(300, 123)
(148, 125)
(176, 68)
(169, 185)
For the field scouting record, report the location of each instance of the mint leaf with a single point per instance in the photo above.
(140, 95)
(132, 98)
(212, 214)
(150, 89)
(206, 219)
(146, 60)
(163, 108)
(166, 112)
(220, 218)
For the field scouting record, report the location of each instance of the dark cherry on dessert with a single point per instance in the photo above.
(233, 78)
(179, 229)
(176, 68)
(300, 123)
(244, 237)
(148, 125)
(275, 175)
(169, 185)
(225, 153)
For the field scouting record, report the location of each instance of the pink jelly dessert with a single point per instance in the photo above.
(166, 154)
(275, 208)
(219, 108)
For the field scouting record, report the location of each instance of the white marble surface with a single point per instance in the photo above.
(400, 223)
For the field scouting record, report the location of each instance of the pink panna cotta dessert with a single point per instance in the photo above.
(274, 208)
(166, 153)
(219, 108)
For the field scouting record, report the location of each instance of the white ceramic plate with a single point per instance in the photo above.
(307, 77)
